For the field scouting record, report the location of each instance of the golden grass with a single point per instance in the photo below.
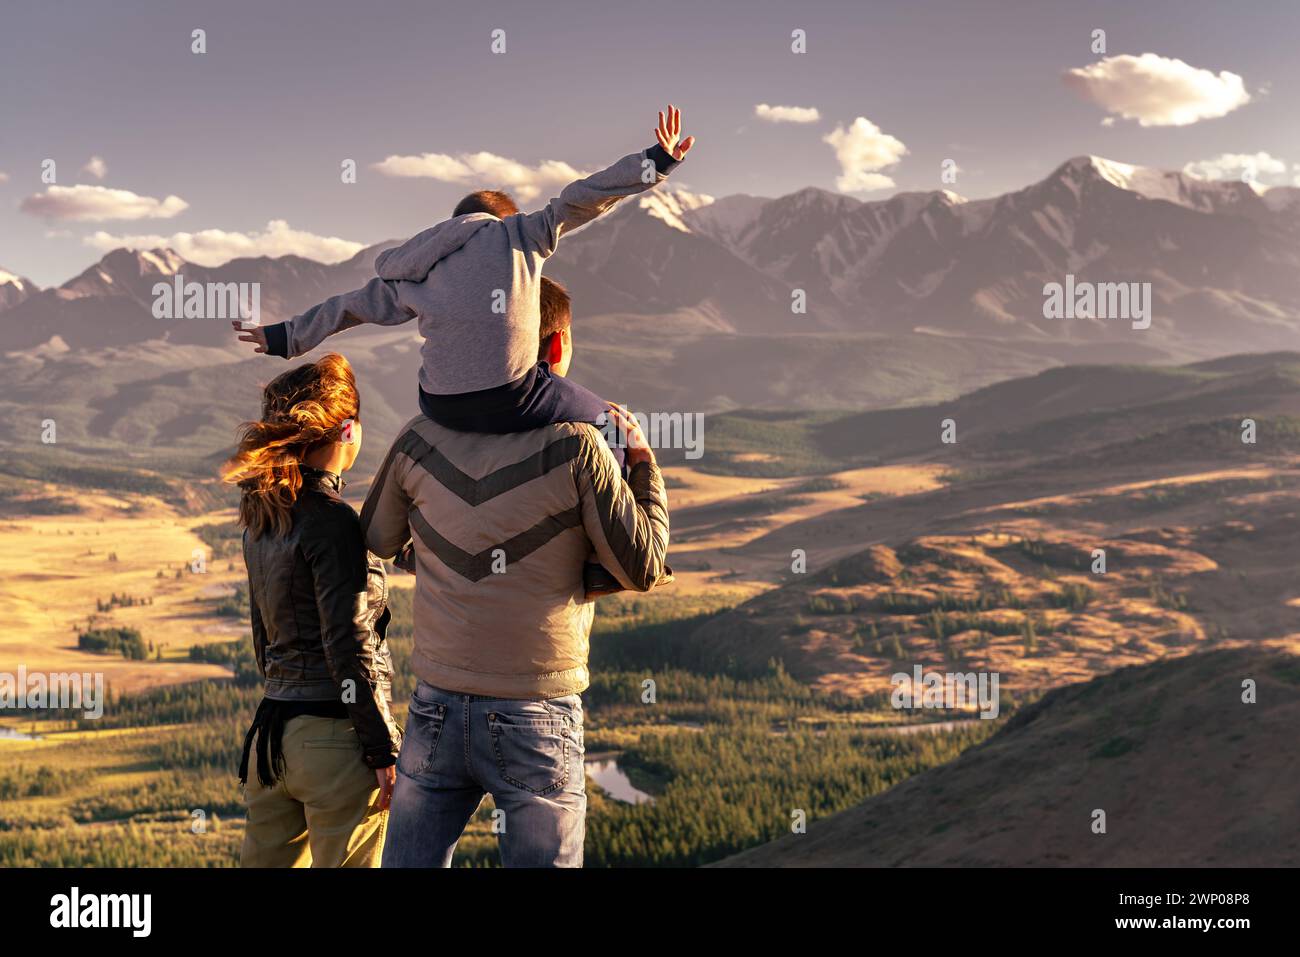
(699, 490)
(55, 569)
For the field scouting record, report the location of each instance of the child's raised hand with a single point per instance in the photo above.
(670, 131)
(254, 334)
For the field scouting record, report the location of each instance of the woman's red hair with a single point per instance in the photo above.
(301, 410)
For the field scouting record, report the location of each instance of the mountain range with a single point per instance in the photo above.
(1222, 259)
(685, 302)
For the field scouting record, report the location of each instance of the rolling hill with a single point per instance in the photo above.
(994, 568)
(1187, 774)
(1081, 411)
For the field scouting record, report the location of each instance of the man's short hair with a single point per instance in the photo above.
(492, 201)
(556, 313)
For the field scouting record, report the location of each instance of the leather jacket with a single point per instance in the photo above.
(319, 612)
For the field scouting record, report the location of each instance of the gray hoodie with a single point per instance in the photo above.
(473, 282)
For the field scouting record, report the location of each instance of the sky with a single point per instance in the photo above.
(238, 150)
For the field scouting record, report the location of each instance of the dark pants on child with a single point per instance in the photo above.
(538, 398)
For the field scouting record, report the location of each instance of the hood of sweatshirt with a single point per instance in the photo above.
(414, 259)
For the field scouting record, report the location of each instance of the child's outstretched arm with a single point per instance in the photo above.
(582, 201)
(375, 302)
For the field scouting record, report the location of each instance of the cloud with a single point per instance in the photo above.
(95, 204)
(1157, 90)
(787, 114)
(212, 247)
(96, 167)
(4, 177)
(863, 150)
(1239, 166)
(484, 171)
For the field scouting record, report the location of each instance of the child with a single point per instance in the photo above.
(473, 282)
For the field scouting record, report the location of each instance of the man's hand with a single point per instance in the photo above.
(670, 131)
(386, 777)
(637, 448)
(405, 559)
(254, 334)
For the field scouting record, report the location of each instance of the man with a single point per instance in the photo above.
(501, 528)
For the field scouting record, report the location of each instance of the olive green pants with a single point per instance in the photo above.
(322, 813)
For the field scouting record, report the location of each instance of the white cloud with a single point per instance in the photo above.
(1157, 90)
(96, 167)
(438, 166)
(4, 177)
(863, 150)
(787, 114)
(484, 171)
(212, 247)
(1239, 166)
(95, 204)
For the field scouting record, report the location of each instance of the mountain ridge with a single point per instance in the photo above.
(674, 275)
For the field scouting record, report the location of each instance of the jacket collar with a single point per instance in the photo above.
(321, 479)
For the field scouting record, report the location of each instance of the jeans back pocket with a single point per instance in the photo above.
(533, 745)
(424, 724)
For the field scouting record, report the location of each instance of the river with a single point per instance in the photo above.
(613, 780)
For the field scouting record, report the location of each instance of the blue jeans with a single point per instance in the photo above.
(527, 754)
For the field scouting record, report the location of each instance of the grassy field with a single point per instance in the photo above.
(728, 761)
(139, 564)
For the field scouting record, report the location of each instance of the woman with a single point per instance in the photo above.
(326, 741)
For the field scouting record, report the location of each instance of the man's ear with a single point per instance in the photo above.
(554, 348)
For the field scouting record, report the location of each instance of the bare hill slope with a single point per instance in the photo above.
(1187, 774)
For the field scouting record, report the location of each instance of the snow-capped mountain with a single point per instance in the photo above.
(1222, 257)
(111, 303)
(646, 258)
(669, 205)
(14, 289)
(124, 272)
(670, 267)
(1222, 264)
